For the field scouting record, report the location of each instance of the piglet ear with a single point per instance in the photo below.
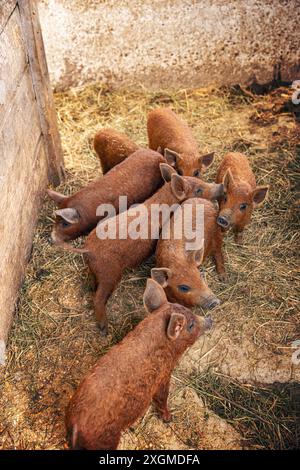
(179, 187)
(69, 214)
(259, 194)
(161, 275)
(196, 256)
(167, 171)
(175, 326)
(227, 180)
(56, 197)
(206, 160)
(154, 296)
(172, 157)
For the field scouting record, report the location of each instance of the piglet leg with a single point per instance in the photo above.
(103, 292)
(161, 401)
(106, 281)
(100, 310)
(239, 236)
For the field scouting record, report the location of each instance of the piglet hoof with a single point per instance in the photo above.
(103, 329)
(223, 277)
(239, 239)
(166, 416)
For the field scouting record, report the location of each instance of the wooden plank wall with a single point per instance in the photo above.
(43, 93)
(30, 151)
(6, 9)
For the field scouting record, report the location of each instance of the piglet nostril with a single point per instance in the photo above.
(222, 221)
(214, 303)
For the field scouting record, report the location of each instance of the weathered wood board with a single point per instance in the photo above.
(30, 151)
(6, 9)
(19, 136)
(40, 79)
(18, 128)
(14, 259)
(13, 61)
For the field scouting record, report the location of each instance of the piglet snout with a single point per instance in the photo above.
(210, 302)
(223, 221)
(208, 323)
(220, 190)
(213, 303)
(54, 239)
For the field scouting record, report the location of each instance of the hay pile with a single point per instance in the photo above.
(54, 340)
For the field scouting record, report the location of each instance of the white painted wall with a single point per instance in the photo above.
(163, 43)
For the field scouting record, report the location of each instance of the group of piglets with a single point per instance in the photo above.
(122, 384)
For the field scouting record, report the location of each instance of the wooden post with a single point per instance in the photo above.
(30, 148)
(40, 77)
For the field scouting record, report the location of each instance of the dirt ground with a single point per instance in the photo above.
(237, 387)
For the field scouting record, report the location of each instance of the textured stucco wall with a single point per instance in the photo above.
(170, 42)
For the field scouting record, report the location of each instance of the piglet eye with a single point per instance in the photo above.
(183, 288)
(243, 207)
(180, 172)
(197, 173)
(225, 198)
(64, 223)
(191, 325)
(199, 191)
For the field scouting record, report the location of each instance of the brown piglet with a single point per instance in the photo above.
(241, 195)
(112, 147)
(133, 373)
(177, 267)
(137, 178)
(109, 255)
(176, 141)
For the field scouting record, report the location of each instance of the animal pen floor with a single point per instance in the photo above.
(237, 387)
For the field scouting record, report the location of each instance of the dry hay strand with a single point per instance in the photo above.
(266, 416)
(54, 339)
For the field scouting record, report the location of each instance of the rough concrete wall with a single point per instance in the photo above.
(163, 43)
